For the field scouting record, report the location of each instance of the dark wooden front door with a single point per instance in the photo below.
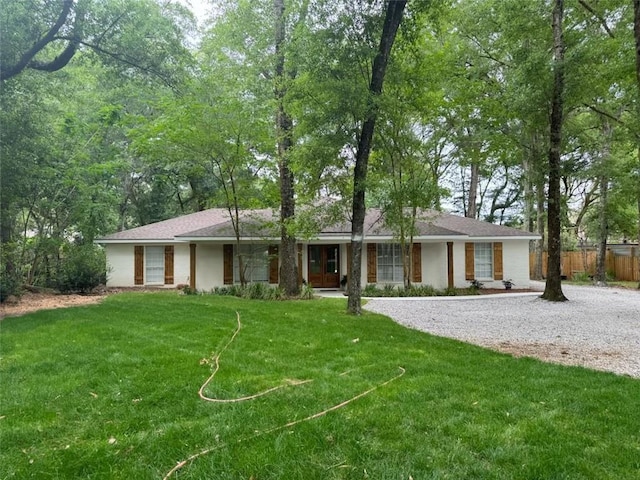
(324, 266)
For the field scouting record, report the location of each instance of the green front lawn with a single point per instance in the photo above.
(111, 392)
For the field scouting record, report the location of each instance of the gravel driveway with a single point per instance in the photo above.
(598, 327)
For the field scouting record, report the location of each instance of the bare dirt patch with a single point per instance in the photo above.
(579, 355)
(33, 302)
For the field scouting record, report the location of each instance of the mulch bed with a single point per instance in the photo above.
(493, 291)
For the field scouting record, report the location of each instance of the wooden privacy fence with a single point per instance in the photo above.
(621, 267)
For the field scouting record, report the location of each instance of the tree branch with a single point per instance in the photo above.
(600, 19)
(27, 57)
(133, 62)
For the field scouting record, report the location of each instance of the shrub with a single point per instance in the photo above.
(581, 277)
(82, 269)
(9, 284)
(254, 291)
(421, 291)
(10, 278)
(306, 292)
(370, 290)
(449, 292)
(188, 290)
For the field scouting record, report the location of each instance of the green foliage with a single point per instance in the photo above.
(582, 277)
(508, 283)
(10, 277)
(137, 37)
(372, 290)
(82, 268)
(306, 292)
(252, 291)
(188, 290)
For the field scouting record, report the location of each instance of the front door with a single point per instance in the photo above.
(324, 266)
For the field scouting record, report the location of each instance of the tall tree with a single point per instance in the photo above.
(393, 18)
(553, 287)
(288, 256)
(636, 36)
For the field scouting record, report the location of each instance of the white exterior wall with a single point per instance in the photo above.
(515, 260)
(209, 266)
(458, 265)
(434, 265)
(119, 265)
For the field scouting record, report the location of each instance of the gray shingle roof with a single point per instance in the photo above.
(477, 228)
(216, 223)
(168, 229)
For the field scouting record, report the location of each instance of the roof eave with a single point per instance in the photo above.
(115, 241)
(489, 238)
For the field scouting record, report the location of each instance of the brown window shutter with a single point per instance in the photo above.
(138, 262)
(227, 250)
(450, 264)
(417, 262)
(498, 273)
(299, 264)
(372, 263)
(192, 265)
(273, 264)
(168, 265)
(469, 261)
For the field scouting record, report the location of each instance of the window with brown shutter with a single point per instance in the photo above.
(168, 265)
(498, 273)
(417, 262)
(372, 263)
(469, 261)
(138, 265)
(227, 264)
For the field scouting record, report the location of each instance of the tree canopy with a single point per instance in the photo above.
(117, 114)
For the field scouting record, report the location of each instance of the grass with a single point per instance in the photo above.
(611, 283)
(110, 392)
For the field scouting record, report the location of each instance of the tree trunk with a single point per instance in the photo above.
(538, 272)
(553, 287)
(534, 200)
(636, 35)
(394, 11)
(472, 207)
(288, 256)
(603, 234)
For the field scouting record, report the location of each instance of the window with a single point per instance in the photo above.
(154, 265)
(483, 261)
(390, 263)
(255, 260)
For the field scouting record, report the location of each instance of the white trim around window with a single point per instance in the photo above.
(389, 256)
(154, 265)
(483, 260)
(256, 263)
